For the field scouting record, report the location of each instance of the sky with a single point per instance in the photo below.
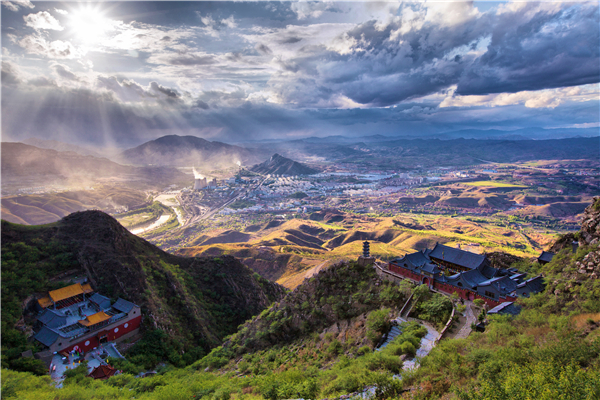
(121, 73)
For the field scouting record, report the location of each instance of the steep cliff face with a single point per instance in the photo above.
(574, 278)
(197, 301)
(590, 225)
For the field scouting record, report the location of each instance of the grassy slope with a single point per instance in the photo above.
(550, 351)
(196, 300)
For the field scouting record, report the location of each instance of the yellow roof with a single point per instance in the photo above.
(66, 292)
(87, 288)
(94, 319)
(45, 302)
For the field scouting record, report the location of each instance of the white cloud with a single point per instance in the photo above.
(305, 9)
(143, 37)
(229, 22)
(34, 44)
(42, 20)
(548, 98)
(59, 11)
(14, 5)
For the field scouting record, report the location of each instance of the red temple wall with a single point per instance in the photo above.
(463, 293)
(111, 335)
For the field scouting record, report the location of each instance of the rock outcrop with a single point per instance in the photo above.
(590, 225)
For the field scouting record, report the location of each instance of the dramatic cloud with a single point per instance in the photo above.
(235, 70)
(15, 5)
(548, 98)
(10, 74)
(552, 47)
(35, 44)
(42, 20)
(64, 72)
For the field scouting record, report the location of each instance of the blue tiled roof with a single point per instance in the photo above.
(535, 284)
(46, 336)
(430, 268)
(546, 256)
(457, 256)
(506, 308)
(123, 305)
(52, 318)
(99, 299)
(470, 279)
(488, 271)
(490, 281)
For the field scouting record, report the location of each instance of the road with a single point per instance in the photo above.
(466, 328)
(212, 211)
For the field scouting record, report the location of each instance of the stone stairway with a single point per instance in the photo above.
(391, 335)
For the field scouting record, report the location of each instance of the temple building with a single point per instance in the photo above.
(74, 317)
(471, 276)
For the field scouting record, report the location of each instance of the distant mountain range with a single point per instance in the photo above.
(60, 146)
(19, 159)
(23, 165)
(186, 151)
(279, 165)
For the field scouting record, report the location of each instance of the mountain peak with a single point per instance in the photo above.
(182, 151)
(279, 165)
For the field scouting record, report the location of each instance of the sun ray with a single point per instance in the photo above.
(89, 25)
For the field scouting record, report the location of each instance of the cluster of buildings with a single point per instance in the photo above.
(450, 270)
(77, 318)
(204, 183)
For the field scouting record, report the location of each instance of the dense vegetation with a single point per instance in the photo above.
(25, 270)
(190, 304)
(318, 342)
(341, 292)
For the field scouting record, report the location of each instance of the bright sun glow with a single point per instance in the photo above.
(89, 25)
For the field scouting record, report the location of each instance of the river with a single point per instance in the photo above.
(163, 219)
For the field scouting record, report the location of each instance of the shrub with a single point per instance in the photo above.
(378, 323)
(409, 349)
(335, 348)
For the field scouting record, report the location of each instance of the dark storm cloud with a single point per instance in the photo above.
(377, 64)
(102, 118)
(285, 73)
(164, 90)
(64, 72)
(528, 55)
(200, 104)
(264, 49)
(290, 40)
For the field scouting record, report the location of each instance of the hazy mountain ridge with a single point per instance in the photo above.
(45, 166)
(22, 160)
(185, 151)
(279, 165)
(61, 146)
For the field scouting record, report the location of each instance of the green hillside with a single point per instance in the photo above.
(196, 300)
(317, 342)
